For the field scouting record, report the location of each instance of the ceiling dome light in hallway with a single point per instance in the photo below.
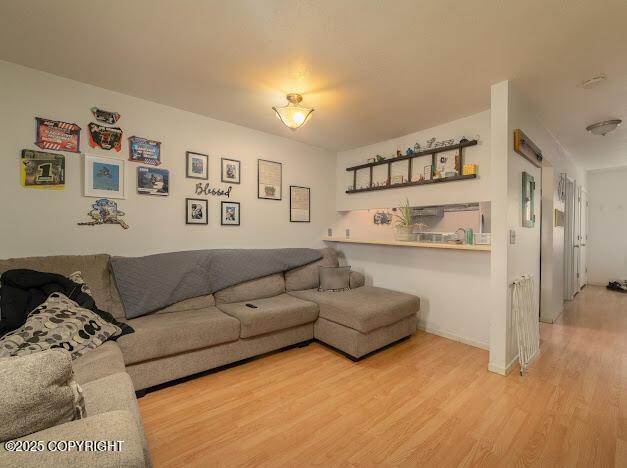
(603, 128)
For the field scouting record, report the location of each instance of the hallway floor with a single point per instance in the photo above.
(428, 401)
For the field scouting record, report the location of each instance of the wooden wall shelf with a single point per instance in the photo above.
(423, 245)
(432, 152)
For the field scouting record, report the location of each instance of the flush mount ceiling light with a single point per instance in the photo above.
(293, 115)
(603, 128)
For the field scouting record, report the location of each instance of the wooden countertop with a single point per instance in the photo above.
(423, 245)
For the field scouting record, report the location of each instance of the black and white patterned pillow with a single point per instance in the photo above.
(58, 323)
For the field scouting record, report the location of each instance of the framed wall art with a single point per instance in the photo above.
(104, 177)
(144, 151)
(39, 169)
(196, 211)
(197, 165)
(230, 171)
(106, 138)
(58, 136)
(230, 215)
(528, 200)
(269, 179)
(153, 181)
(300, 204)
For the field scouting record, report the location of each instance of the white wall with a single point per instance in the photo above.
(43, 222)
(607, 241)
(453, 286)
(510, 110)
(473, 190)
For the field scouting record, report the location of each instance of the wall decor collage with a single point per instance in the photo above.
(104, 177)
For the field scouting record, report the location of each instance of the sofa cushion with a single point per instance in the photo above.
(266, 286)
(112, 393)
(272, 314)
(100, 362)
(94, 268)
(308, 276)
(363, 309)
(37, 391)
(159, 335)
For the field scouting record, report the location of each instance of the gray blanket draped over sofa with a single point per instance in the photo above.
(156, 281)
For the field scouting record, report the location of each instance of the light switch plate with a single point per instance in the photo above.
(330, 232)
(512, 236)
(348, 233)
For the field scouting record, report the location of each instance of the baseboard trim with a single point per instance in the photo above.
(503, 370)
(452, 336)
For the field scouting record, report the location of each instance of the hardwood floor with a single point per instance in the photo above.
(427, 402)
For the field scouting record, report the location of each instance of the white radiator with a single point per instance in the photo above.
(526, 322)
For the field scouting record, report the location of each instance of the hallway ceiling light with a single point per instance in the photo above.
(603, 128)
(293, 115)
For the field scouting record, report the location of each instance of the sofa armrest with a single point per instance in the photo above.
(357, 280)
(112, 426)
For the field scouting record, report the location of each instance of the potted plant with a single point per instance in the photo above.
(404, 226)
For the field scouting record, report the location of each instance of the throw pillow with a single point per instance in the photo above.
(335, 278)
(38, 391)
(58, 323)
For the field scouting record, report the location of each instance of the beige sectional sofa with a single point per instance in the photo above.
(207, 332)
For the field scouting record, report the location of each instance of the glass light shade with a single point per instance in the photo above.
(603, 128)
(293, 115)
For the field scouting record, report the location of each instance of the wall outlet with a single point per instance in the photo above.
(512, 236)
(348, 233)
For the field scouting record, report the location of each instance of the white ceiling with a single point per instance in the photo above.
(372, 69)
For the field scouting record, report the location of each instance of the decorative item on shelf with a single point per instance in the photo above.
(300, 204)
(427, 172)
(39, 169)
(382, 218)
(57, 136)
(409, 152)
(379, 158)
(398, 153)
(269, 180)
(205, 189)
(145, 151)
(483, 238)
(469, 237)
(293, 115)
(106, 138)
(197, 165)
(430, 142)
(230, 214)
(469, 169)
(230, 171)
(417, 147)
(104, 177)
(398, 179)
(153, 181)
(371, 160)
(196, 211)
(447, 164)
(105, 116)
(458, 238)
(105, 211)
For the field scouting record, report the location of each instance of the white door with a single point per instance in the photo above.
(577, 244)
(569, 241)
(583, 265)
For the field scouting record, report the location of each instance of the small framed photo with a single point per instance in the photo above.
(153, 181)
(427, 172)
(196, 211)
(197, 166)
(269, 179)
(300, 204)
(230, 171)
(104, 177)
(230, 213)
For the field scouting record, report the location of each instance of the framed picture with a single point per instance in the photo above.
(104, 137)
(427, 172)
(104, 177)
(58, 136)
(196, 211)
(300, 204)
(269, 179)
(197, 166)
(145, 151)
(230, 213)
(230, 171)
(153, 181)
(39, 169)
